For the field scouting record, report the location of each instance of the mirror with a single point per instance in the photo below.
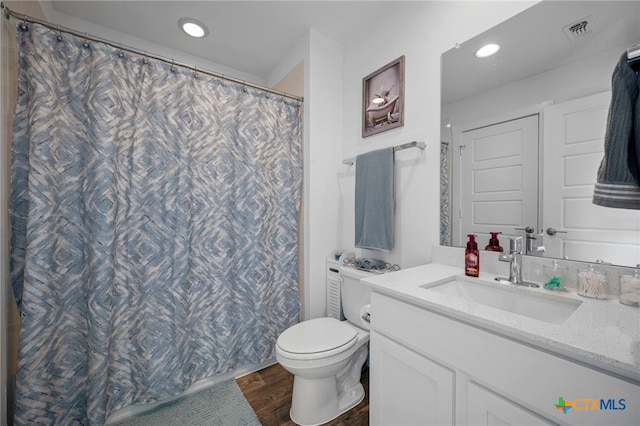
(550, 81)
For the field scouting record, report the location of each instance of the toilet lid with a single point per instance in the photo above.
(317, 335)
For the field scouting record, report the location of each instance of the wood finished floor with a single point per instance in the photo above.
(269, 393)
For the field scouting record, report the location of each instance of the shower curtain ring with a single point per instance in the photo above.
(85, 44)
(173, 68)
(23, 25)
(195, 72)
(121, 53)
(244, 86)
(59, 36)
(145, 60)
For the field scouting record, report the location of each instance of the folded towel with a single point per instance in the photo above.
(618, 182)
(373, 264)
(374, 200)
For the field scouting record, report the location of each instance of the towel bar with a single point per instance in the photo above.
(351, 161)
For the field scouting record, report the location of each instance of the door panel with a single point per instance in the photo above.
(573, 148)
(498, 179)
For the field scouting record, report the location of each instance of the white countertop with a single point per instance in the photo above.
(604, 334)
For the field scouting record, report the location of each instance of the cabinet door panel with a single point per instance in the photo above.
(488, 409)
(408, 389)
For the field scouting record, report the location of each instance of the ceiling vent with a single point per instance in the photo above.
(580, 28)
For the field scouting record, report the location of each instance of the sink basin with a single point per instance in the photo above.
(507, 297)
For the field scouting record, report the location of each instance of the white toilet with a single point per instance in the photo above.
(326, 355)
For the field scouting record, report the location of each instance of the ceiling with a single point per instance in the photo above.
(249, 36)
(536, 41)
(254, 36)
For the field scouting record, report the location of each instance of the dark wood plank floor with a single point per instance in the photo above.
(269, 393)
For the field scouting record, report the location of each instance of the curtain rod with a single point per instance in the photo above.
(8, 13)
(351, 161)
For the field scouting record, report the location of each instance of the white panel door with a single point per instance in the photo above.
(406, 388)
(498, 179)
(573, 149)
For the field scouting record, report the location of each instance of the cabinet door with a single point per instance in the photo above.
(488, 409)
(406, 388)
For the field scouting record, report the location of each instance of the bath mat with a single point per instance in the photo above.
(220, 405)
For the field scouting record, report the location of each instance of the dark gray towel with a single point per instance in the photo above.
(618, 183)
(374, 201)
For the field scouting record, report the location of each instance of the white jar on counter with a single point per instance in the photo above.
(592, 283)
(629, 293)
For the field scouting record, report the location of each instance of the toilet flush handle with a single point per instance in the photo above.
(367, 317)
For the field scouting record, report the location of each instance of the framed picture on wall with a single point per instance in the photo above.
(383, 98)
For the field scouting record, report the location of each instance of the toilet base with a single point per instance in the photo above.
(318, 401)
(310, 411)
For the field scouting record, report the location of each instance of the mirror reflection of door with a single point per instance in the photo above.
(496, 169)
(573, 148)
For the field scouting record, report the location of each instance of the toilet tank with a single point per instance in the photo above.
(354, 295)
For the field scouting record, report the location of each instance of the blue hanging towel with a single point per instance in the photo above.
(374, 201)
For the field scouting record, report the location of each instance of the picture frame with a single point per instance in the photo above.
(383, 98)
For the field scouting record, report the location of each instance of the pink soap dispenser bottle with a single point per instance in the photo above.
(494, 244)
(472, 257)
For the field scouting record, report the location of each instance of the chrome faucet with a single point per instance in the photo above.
(514, 257)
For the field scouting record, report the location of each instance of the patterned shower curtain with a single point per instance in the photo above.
(153, 213)
(445, 191)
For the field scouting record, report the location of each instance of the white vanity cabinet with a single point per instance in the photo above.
(428, 368)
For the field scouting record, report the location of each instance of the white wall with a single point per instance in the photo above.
(421, 31)
(323, 124)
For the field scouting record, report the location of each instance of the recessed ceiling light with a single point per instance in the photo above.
(487, 50)
(193, 27)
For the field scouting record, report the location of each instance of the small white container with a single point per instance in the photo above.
(592, 283)
(630, 289)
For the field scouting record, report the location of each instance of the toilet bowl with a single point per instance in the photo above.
(326, 356)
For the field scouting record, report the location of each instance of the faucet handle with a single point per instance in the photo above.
(515, 244)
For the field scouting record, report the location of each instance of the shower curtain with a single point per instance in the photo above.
(153, 213)
(445, 202)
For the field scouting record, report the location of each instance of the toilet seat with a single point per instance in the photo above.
(316, 338)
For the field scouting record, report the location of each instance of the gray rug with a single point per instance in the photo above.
(221, 405)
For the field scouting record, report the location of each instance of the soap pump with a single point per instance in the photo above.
(494, 244)
(472, 257)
